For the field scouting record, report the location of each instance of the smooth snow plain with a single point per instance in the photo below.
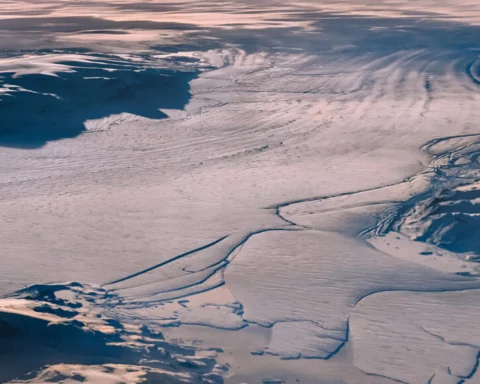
(273, 193)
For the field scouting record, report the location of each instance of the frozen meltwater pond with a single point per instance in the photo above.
(238, 192)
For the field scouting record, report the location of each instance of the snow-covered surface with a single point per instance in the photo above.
(74, 340)
(301, 175)
(417, 337)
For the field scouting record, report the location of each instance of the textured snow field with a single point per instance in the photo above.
(251, 182)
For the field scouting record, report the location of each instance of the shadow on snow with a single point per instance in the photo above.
(47, 108)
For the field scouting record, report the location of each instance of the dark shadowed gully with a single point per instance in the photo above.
(28, 342)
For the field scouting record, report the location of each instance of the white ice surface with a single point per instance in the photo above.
(318, 278)
(141, 192)
(119, 200)
(413, 337)
(128, 203)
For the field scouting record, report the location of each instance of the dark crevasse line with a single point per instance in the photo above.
(139, 304)
(221, 264)
(167, 262)
(429, 145)
(225, 260)
(426, 148)
(250, 235)
(475, 368)
(473, 71)
(331, 196)
(279, 214)
(385, 377)
(328, 353)
(203, 280)
(443, 340)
